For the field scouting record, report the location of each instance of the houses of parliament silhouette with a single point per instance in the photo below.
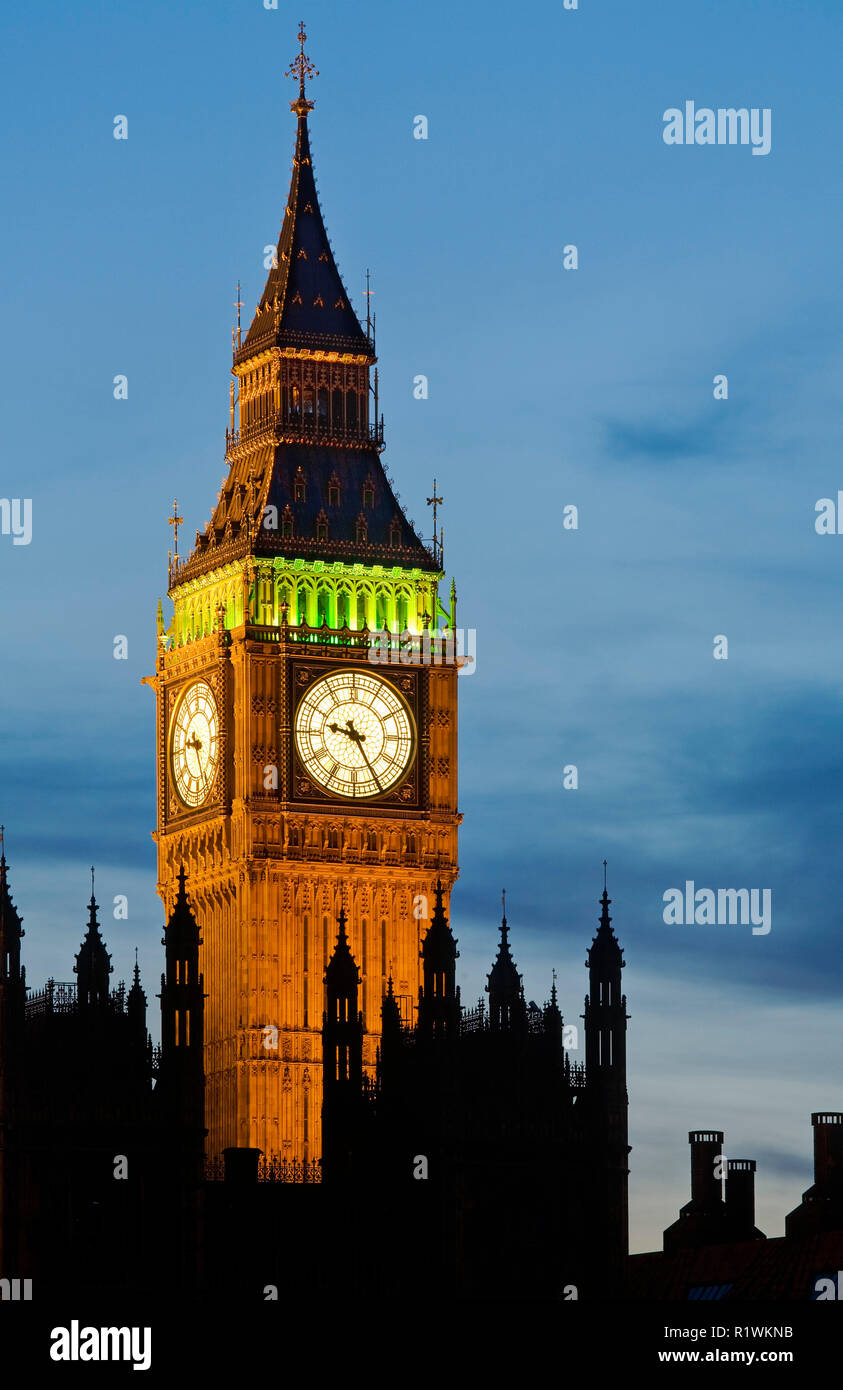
(319, 1086)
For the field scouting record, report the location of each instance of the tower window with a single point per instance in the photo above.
(395, 534)
(368, 495)
(362, 530)
(334, 492)
(299, 487)
(322, 527)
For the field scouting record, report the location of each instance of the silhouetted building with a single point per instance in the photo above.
(714, 1251)
(101, 1138)
(512, 1158)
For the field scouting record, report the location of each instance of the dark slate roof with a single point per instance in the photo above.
(289, 311)
(262, 473)
(266, 477)
(353, 470)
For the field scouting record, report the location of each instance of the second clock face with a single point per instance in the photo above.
(194, 744)
(354, 734)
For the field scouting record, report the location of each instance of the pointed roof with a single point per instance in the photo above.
(261, 509)
(93, 962)
(304, 303)
(504, 979)
(605, 943)
(136, 998)
(439, 946)
(10, 919)
(390, 1012)
(341, 972)
(182, 928)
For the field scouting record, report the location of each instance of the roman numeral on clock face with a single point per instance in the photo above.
(354, 734)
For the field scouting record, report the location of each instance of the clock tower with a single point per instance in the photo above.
(307, 764)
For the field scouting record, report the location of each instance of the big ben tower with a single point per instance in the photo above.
(302, 768)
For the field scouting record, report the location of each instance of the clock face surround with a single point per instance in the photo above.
(354, 735)
(194, 744)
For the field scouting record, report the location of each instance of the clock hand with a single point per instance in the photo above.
(357, 738)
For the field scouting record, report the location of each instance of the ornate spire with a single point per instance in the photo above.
(11, 929)
(136, 999)
(604, 940)
(93, 962)
(310, 415)
(439, 947)
(553, 1016)
(504, 976)
(302, 68)
(504, 987)
(305, 303)
(341, 971)
(390, 1013)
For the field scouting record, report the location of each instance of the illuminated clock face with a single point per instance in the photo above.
(194, 744)
(354, 734)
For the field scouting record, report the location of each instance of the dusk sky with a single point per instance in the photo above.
(548, 387)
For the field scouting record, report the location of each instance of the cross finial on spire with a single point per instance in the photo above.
(503, 906)
(605, 866)
(175, 521)
(238, 304)
(368, 292)
(435, 502)
(92, 883)
(302, 68)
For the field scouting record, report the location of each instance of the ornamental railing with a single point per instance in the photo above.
(312, 430)
(271, 1169)
(57, 997)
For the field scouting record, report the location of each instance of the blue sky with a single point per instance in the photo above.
(547, 387)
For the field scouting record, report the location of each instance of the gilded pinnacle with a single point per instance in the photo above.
(302, 68)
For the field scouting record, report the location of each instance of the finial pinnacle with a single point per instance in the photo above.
(605, 866)
(92, 883)
(503, 907)
(435, 502)
(175, 521)
(302, 68)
